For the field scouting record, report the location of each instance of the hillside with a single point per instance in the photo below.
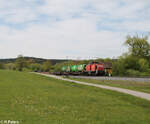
(37, 60)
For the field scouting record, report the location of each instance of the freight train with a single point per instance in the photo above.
(93, 68)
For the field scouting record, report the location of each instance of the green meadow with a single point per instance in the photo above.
(34, 99)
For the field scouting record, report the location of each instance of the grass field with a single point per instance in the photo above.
(34, 99)
(138, 86)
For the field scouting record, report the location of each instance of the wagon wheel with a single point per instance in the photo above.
(89, 73)
(96, 73)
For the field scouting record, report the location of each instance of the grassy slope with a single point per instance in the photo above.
(138, 86)
(33, 99)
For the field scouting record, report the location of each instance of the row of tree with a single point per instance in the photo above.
(22, 64)
(136, 62)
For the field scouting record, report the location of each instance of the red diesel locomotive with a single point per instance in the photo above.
(95, 68)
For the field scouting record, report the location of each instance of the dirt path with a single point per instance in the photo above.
(131, 92)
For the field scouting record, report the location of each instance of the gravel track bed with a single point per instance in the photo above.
(114, 78)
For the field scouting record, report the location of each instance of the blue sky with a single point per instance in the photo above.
(73, 28)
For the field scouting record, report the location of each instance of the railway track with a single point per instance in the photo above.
(113, 78)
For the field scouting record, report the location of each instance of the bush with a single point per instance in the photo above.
(131, 62)
(2, 66)
(143, 64)
(10, 66)
(35, 67)
(133, 73)
(119, 68)
(46, 66)
(26, 70)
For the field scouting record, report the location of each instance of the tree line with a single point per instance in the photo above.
(136, 62)
(22, 64)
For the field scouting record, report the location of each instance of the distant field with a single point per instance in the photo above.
(138, 86)
(35, 99)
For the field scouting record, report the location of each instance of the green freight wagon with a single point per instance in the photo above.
(68, 68)
(64, 68)
(81, 68)
(74, 68)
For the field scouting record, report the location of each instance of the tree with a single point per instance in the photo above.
(119, 67)
(138, 46)
(136, 61)
(107, 60)
(47, 66)
(35, 67)
(2, 66)
(10, 66)
(20, 62)
(144, 65)
(131, 62)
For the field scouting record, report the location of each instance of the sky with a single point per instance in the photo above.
(72, 29)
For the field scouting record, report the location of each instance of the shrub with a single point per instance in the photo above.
(133, 73)
(143, 64)
(144, 74)
(2, 66)
(119, 68)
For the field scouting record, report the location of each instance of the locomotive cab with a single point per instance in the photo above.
(95, 68)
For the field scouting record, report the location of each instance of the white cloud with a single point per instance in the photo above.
(16, 11)
(63, 7)
(70, 28)
(76, 37)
